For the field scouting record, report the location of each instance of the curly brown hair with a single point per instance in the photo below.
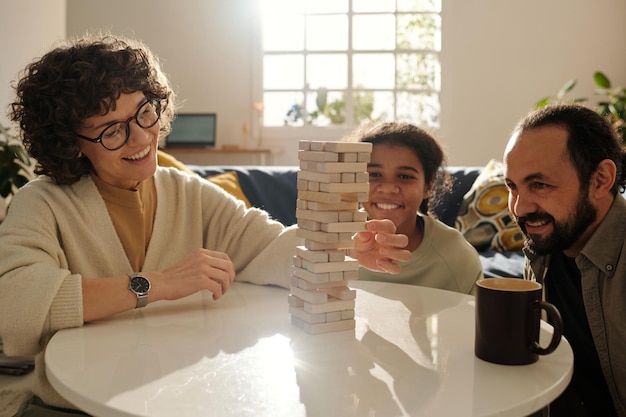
(79, 79)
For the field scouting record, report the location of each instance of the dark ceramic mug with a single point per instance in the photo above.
(508, 315)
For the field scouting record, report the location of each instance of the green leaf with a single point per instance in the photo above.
(542, 103)
(601, 80)
(566, 88)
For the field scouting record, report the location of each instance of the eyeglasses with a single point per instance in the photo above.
(116, 135)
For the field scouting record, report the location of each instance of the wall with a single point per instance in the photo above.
(499, 58)
(27, 29)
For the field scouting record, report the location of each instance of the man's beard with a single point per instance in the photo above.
(565, 234)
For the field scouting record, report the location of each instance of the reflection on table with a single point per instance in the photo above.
(411, 354)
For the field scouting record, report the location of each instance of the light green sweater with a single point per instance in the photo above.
(54, 235)
(443, 260)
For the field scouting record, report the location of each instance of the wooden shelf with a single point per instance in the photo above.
(238, 156)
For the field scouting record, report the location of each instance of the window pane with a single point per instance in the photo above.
(383, 106)
(419, 5)
(327, 33)
(283, 72)
(373, 71)
(327, 6)
(283, 109)
(421, 109)
(282, 6)
(373, 5)
(326, 108)
(325, 70)
(374, 32)
(419, 31)
(418, 71)
(280, 34)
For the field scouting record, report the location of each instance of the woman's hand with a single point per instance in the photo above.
(379, 248)
(202, 269)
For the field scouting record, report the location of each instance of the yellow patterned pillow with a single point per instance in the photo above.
(230, 183)
(484, 217)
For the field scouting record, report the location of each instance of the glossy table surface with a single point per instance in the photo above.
(411, 354)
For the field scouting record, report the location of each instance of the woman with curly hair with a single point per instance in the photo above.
(104, 229)
(406, 178)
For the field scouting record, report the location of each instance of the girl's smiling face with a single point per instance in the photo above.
(134, 162)
(397, 186)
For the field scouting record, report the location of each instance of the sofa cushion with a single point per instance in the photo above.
(484, 218)
(271, 188)
(229, 181)
(447, 208)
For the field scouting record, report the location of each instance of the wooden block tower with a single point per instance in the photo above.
(332, 181)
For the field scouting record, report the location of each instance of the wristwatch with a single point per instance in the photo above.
(140, 285)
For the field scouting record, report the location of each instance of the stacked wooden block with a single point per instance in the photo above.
(332, 181)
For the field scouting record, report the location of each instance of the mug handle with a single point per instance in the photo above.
(555, 317)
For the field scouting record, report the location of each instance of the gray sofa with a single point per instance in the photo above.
(273, 188)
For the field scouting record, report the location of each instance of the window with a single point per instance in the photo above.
(339, 63)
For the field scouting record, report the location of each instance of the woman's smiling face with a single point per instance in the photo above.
(134, 162)
(397, 186)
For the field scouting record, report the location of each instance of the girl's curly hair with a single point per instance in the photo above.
(76, 80)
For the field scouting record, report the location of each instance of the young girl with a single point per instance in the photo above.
(405, 173)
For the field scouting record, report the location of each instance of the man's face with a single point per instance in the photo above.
(544, 191)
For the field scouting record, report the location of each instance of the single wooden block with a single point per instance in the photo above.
(364, 157)
(341, 206)
(319, 267)
(313, 186)
(309, 225)
(348, 157)
(310, 276)
(348, 177)
(312, 296)
(319, 156)
(339, 167)
(343, 187)
(320, 328)
(304, 145)
(342, 227)
(308, 286)
(336, 255)
(347, 314)
(320, 236)
(358, 147)
(358, 197)
(332, 316)
(313, 245)
(312, 255)
(319, 176)
(349, 275)
(359, 216)
(330, 305)
(297, 261)
(320, 197)
(319, 216)
(361, 177)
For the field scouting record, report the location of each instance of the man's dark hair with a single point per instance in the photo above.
(591, 139)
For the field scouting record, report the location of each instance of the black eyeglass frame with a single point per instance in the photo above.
(157, 106)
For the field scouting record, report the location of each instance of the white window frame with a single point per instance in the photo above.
(311, 132)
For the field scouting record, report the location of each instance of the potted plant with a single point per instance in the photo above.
(611, 104)
(14, 163)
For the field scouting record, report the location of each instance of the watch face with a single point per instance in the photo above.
(140, 285)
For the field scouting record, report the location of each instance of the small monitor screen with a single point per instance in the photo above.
(192, 130)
